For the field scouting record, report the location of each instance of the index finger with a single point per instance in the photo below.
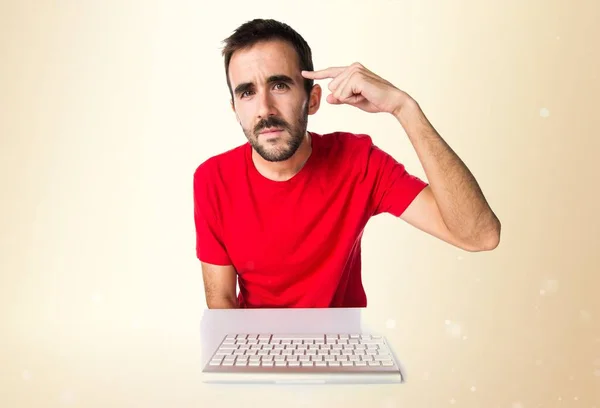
(330, 72)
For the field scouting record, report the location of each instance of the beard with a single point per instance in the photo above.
(287, 145)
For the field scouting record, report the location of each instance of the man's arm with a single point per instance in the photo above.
(453, 206)
(219, 286)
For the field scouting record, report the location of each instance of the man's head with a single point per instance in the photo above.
(263, 64)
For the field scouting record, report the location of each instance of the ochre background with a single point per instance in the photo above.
(107, 108)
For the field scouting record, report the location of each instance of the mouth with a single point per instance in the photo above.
(271, 131)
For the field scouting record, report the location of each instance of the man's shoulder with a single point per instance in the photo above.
(346, 146)
(343, 139)
(220, 162)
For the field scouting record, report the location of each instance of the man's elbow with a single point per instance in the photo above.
(488, 240)
(221, 303)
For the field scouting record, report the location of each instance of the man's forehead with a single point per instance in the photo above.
(263, 60)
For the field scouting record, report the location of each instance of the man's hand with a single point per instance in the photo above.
(357, 86)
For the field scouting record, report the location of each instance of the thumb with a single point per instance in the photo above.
(333, 100)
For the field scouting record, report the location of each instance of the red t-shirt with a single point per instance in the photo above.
(297, 243)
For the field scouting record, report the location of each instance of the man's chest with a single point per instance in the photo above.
(295, 228)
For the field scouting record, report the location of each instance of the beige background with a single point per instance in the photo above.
(107, 107)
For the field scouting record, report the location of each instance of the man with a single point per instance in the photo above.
(283, 215)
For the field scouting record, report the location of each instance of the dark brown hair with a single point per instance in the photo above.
(259, 30)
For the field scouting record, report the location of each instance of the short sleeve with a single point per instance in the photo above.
(394, 187)
(210, 247)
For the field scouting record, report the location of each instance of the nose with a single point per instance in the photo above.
(265, 106)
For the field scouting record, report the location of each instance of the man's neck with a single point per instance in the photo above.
(283, 171)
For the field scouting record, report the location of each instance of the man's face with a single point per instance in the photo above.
(269, 98)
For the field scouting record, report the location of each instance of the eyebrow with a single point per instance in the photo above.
(241, 88)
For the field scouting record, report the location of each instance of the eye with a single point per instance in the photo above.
(245, 93)
(281, 85)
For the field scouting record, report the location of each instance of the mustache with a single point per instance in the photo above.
(272, 121)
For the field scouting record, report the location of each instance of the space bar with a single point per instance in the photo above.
(298, 336)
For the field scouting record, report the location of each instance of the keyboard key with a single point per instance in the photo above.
(297, 336)
(372, 341)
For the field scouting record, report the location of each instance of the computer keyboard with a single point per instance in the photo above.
(281, 353)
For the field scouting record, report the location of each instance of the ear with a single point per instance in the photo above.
(314, 99)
